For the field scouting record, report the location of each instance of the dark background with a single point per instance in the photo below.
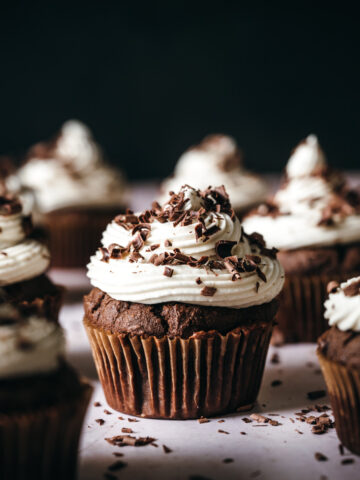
(151, 78)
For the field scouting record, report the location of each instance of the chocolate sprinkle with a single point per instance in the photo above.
(168, 272)
(316, 394)
(128, 440)
(320, 457)
(166, 449)
(208, 291)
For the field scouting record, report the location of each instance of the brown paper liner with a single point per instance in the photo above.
(343, 384)
(74, 236)
(301, 308)
(43, 444)
(206, 374)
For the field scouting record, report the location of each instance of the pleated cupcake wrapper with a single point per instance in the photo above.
(43, 444)
(343, 384)
(301, 311)
(73, 239)
(206, 374)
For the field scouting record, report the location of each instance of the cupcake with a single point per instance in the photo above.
(76, 192)
(182, 309)
(217, 160)
(42, 401)
(314, 221)
(339, 356)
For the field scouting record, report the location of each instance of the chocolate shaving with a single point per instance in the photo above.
(223, 431)
(128, 440)
(168, 272)
(126, 430)
(223, 248)
(198, 281)
(100, 421)
(314, 395)
(208, 291)
(203, 420)
(320, 457)
(167, 243)
(105, 254)
(166, 449)
(119, 464)
(352, 289)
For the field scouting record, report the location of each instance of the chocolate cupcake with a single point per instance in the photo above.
(339, 355)
(314, 221)
(42, 401)
(217, 160)
(76, 192)
(182, 309)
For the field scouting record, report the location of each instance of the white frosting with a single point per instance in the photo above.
(301, 203)
(146, 283)
(11, 230)
(306, 159)
(46, 347)
(76, 175)
(201, 168)
(21, 258)
(343, 311)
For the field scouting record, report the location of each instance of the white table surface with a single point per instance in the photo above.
(198, 450)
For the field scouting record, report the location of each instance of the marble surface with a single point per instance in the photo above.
(199, 450)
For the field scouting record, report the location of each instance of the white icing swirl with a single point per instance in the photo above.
(301, 203)
(45, 345)
(21, 258)
(75, 175)
(343, 311)
(203, 166)
(143, 282)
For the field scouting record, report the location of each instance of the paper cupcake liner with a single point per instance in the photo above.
(343, 384)
(301, 311)
(178, 378)
(43, 444)
(74, 237)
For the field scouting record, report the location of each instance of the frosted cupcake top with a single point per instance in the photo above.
(217, 160)
(21, 257)
(342, 308)
(70, 171)
(313, 208)
(192, 249)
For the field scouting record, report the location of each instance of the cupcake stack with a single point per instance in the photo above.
(42, 401)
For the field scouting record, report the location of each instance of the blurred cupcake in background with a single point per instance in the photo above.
(42, 401)
(217, 160)
(76, 192)
(182, 309)
(314, 220)
(339, 356)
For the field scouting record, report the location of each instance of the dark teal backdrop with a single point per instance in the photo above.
(151, 78)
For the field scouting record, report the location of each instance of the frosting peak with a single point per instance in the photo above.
(342, 308)
(217, 160)
(313, 208)
(63, 171)
(307, 158)
(191, 250)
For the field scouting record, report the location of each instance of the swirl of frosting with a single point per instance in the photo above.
(216, 161)
(191, 250)
(314, 207)
(28, 346)
(342, 308)
(21, 258)
(63, 172)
